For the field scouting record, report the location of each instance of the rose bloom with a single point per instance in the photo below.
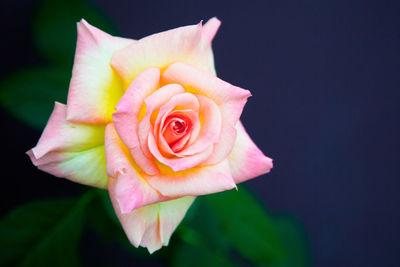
(150, 121)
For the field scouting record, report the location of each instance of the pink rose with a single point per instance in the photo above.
(150, 121)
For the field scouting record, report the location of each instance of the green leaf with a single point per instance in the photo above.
(195, 255)
(247, 227)
(54, 28)
(30, 94)
(294, 239)
(103, 220)
(201, 241)
(200, 228)
(43, 233)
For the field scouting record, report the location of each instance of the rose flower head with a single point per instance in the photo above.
(150, 121)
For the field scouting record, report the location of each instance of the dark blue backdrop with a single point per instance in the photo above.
(325, 82)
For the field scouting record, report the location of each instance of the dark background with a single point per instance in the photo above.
(325, 82)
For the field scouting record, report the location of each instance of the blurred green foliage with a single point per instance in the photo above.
(257, 239)
(226, 229)
(48, 233)
(29, 94)
(54, 28)
(43, 233)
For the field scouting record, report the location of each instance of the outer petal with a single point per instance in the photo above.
(190, 44)
(199, 82)
(70, 150)
(229, 98)
(151, 226)
(130, 188)
(85, 167)
(246, 160)
(95, 88)
(171, 213)
(210, 30)
(193, 182)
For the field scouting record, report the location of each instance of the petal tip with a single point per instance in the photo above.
(269, 163)
(82, 21)
(210, 29)
(151, 250)
(214, 20)
(31, 155)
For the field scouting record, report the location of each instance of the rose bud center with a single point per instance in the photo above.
(176, 127)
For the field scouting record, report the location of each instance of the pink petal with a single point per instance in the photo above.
(226, 141)
(154, 102)
(126, 119)
(188, 102)
(246, 160)
(95, 88)
(130, 188)
(175, 126)
(71, 150)
(210, 30)
(127, 116)
(61, 135)
(85, 167)
(211, 128)
(184, 101)
(178, 164)
(143, 161)
(151, 238)
(193, 182)
(157, 50)
(199, 82)
(204, 54)
(162, 96)
(171, 214)
(151, 226)
(190, 44)
(230, 100)
(136, 222)
(163, 144)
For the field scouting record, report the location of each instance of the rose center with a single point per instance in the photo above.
(177, 127)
